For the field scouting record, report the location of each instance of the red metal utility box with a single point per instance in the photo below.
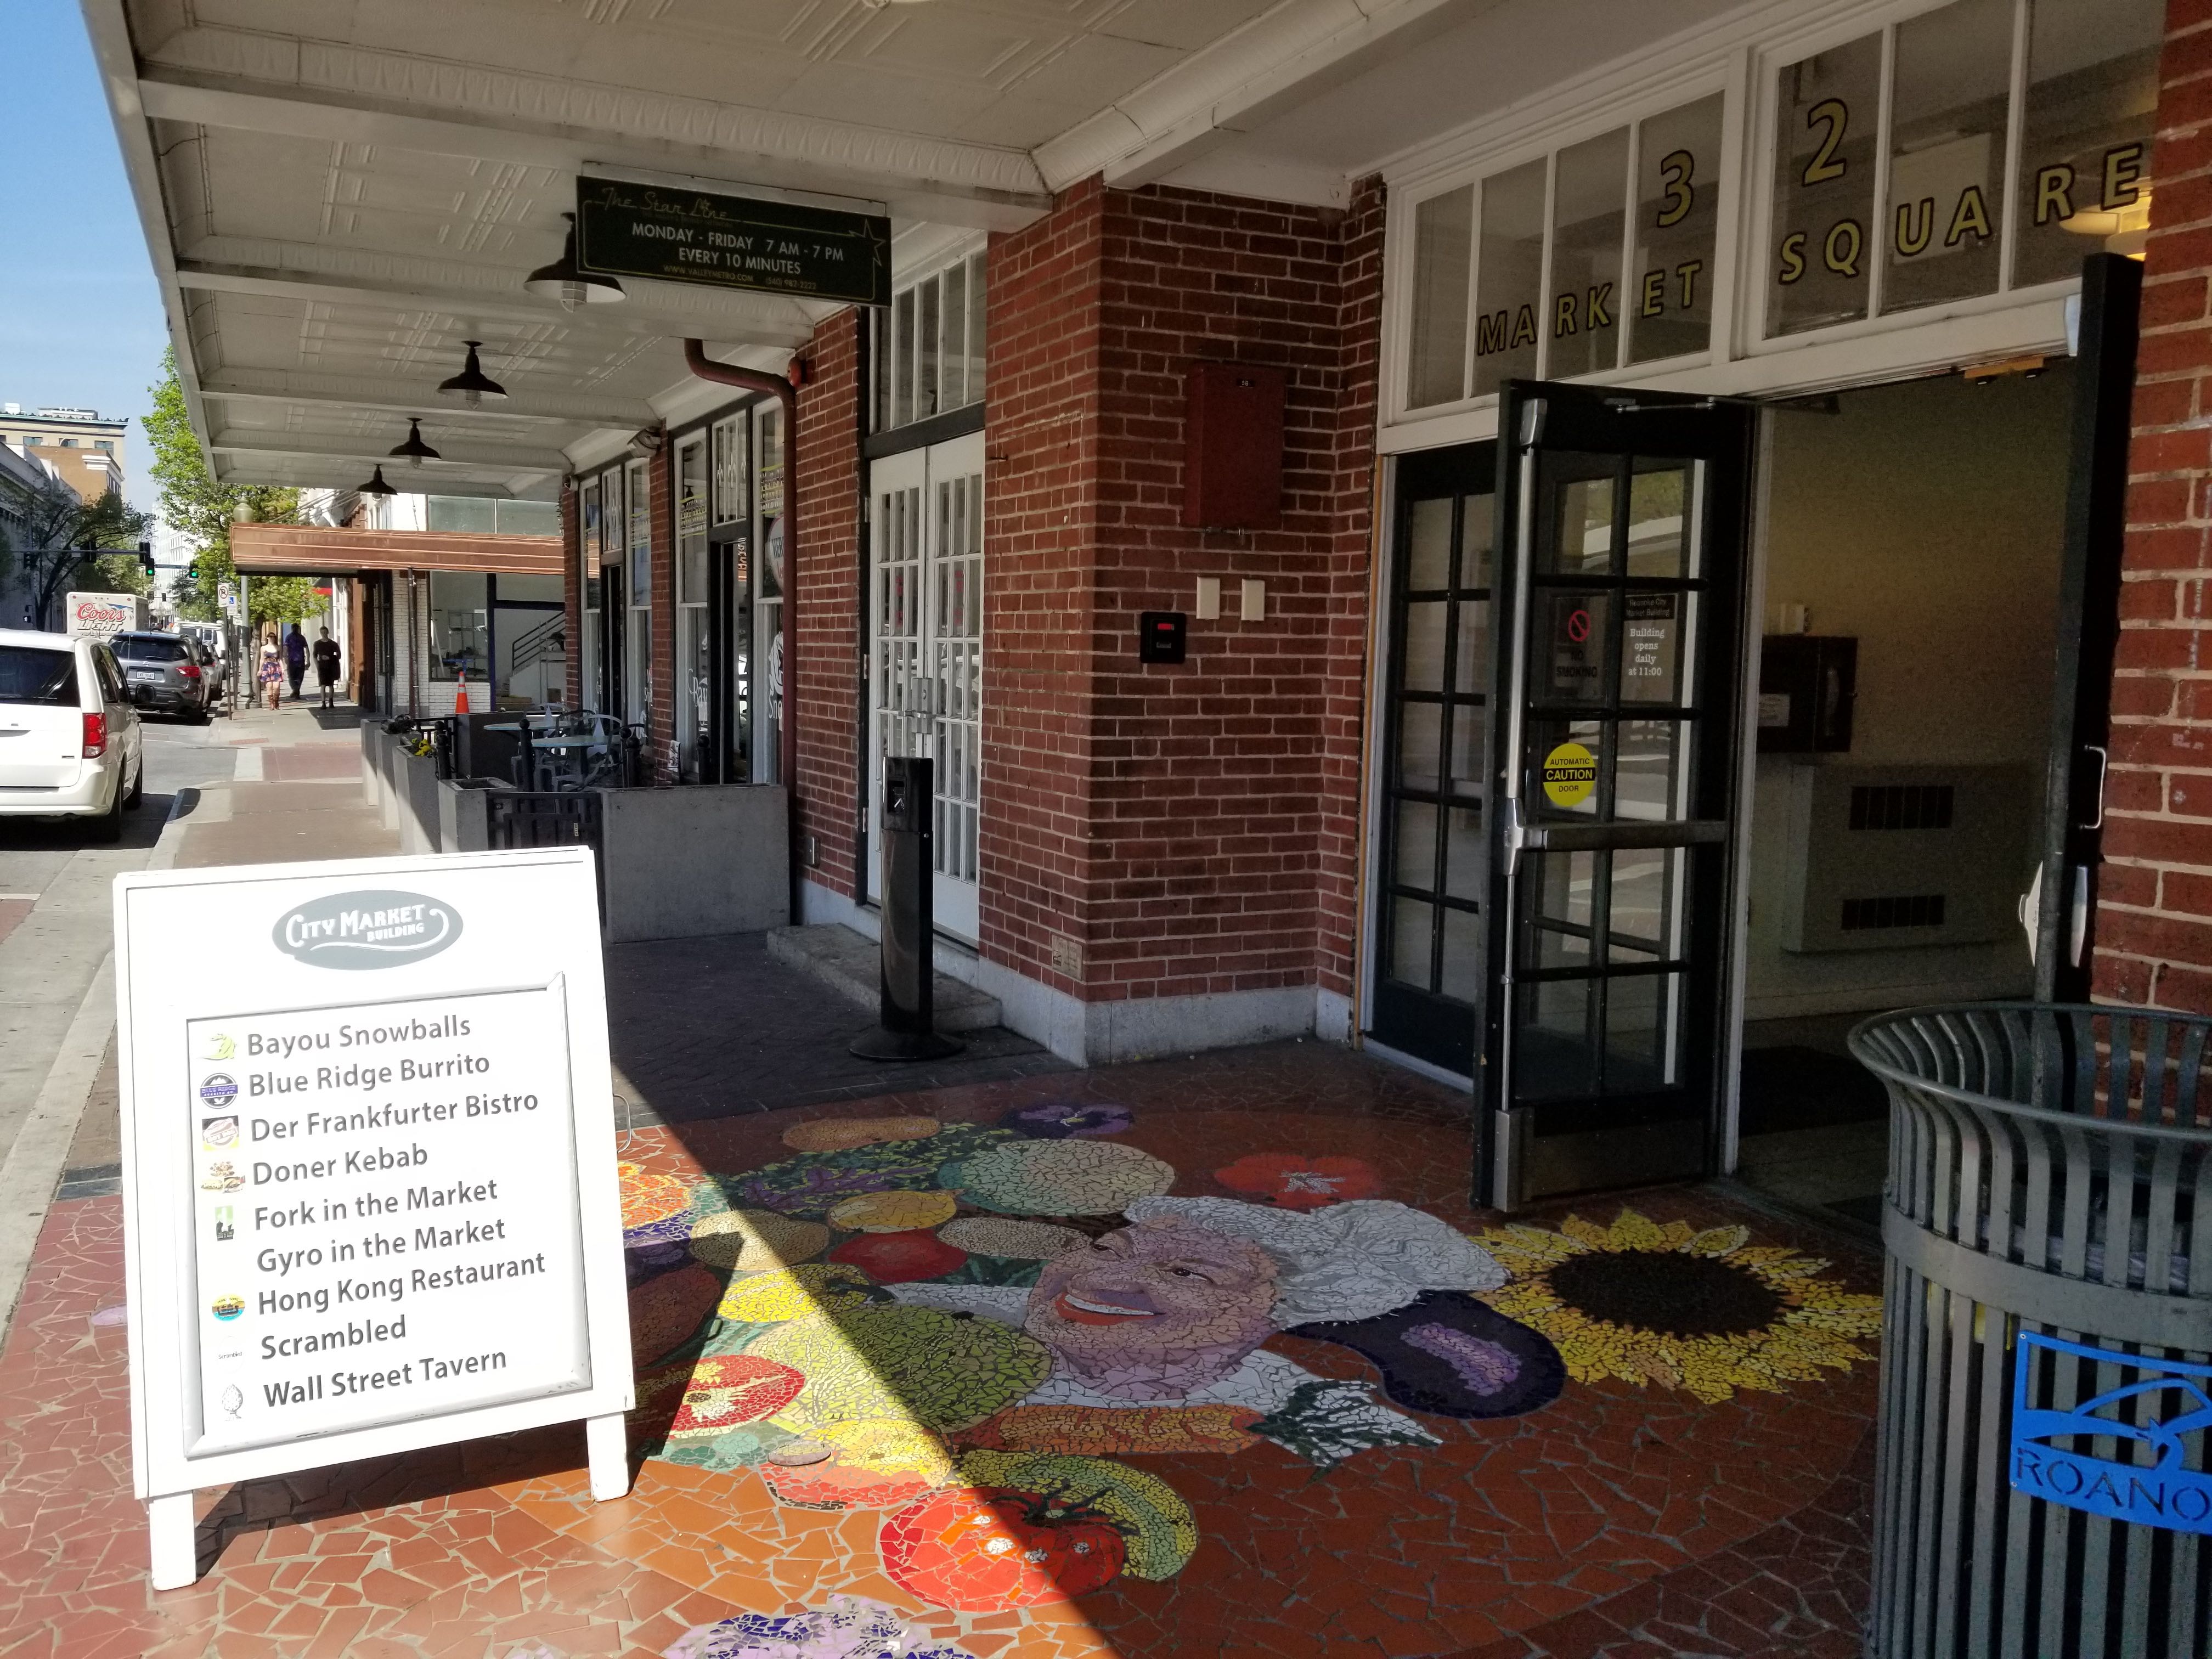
(1232, 464)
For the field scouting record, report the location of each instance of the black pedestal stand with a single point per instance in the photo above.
(909, 975)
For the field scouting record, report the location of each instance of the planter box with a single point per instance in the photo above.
(700, 858)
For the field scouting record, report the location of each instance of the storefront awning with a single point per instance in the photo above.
(265, 550)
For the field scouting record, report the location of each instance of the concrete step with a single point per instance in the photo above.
(851, 965)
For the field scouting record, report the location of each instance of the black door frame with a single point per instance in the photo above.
(2090, 629)
(1724, 433)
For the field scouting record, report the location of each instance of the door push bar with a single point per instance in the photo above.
(1622, 837)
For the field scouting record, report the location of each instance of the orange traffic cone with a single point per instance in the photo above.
(461, 697)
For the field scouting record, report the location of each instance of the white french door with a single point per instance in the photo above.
(926, 675)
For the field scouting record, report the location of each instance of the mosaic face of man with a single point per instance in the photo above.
(1154, 1311)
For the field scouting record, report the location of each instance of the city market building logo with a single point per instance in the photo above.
(2152, 1415)
(374, 929)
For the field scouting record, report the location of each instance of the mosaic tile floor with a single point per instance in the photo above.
(1201, 1358)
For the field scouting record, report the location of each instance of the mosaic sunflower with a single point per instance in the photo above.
(1708, 1312)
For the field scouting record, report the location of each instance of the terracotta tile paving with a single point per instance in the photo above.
(1548, 1445)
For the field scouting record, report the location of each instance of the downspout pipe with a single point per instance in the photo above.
(779, 387)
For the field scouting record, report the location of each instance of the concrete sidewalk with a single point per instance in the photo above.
(293, 793)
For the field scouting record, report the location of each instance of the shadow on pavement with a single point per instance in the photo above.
(142, 828)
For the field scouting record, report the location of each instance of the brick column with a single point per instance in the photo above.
(823, 497)
(2155, 891)
(1157, 831)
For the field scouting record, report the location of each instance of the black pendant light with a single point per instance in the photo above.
(471, 385)
(413, 451)
(567, 281)
(375, 486)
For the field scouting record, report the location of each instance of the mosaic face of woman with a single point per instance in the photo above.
(1154, 1311)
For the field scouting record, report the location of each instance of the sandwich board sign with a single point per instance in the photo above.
(369, 1192)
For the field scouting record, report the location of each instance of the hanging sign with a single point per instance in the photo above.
(1569, 774)
(733, 241)
(369, 1182)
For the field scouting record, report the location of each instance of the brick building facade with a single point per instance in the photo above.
(2154, 915)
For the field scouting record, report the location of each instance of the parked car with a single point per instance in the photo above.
(212, 667)
(69, 738)
(163, 671)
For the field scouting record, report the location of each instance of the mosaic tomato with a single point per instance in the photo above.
(1291, 1181)
(727, 1389)
(986, 1549)
(900, 1258)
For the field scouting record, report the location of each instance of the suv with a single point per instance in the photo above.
(163, 671)
(69, 735)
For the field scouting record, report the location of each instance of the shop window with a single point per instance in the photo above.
(929, 347)
(732, 453)
(1588, 217)
(1444, 228)
(463, 514)
(2085, 134)
(1936, 109)
(458, 631)
(637, 637)
(1830, 107)
(1668, 306)
(1509, 277)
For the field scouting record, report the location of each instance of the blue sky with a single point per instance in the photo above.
(81, 320)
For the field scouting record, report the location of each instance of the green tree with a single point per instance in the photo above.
(201, 509)
(62, 537)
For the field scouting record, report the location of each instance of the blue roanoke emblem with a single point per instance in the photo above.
(2163, 1410)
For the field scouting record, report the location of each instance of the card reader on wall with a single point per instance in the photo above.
(1160, 637)
(1806, 685)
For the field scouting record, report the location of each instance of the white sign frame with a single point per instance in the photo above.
(535, 928)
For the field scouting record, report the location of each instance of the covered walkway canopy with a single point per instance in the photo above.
(263, 550)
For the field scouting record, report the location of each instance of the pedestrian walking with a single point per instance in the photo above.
(326, 668)
(272, 674)
(295, 659)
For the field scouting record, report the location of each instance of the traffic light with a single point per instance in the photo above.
(192, 574)
(146, 557)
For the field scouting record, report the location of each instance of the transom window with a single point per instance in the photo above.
(1625, 224)
(1906, 174)
(929, 346)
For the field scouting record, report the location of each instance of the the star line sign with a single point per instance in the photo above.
(733, 241)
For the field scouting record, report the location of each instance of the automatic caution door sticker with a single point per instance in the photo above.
(1569, 774)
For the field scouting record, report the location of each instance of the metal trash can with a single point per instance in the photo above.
(2043, 1486)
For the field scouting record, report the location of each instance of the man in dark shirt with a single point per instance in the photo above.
(326, 668)
(295, 659)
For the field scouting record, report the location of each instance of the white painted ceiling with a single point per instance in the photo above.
(338, 193)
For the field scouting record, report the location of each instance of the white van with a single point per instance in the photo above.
(69, 737)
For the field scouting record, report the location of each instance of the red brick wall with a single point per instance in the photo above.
(2154, 892)
(1044, 287)
(825, 491)
(1344, 666)
(1191, 829)
(572, 599)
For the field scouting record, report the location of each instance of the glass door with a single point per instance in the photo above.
(1615, 732)
(926, 680)
(1431, 945)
